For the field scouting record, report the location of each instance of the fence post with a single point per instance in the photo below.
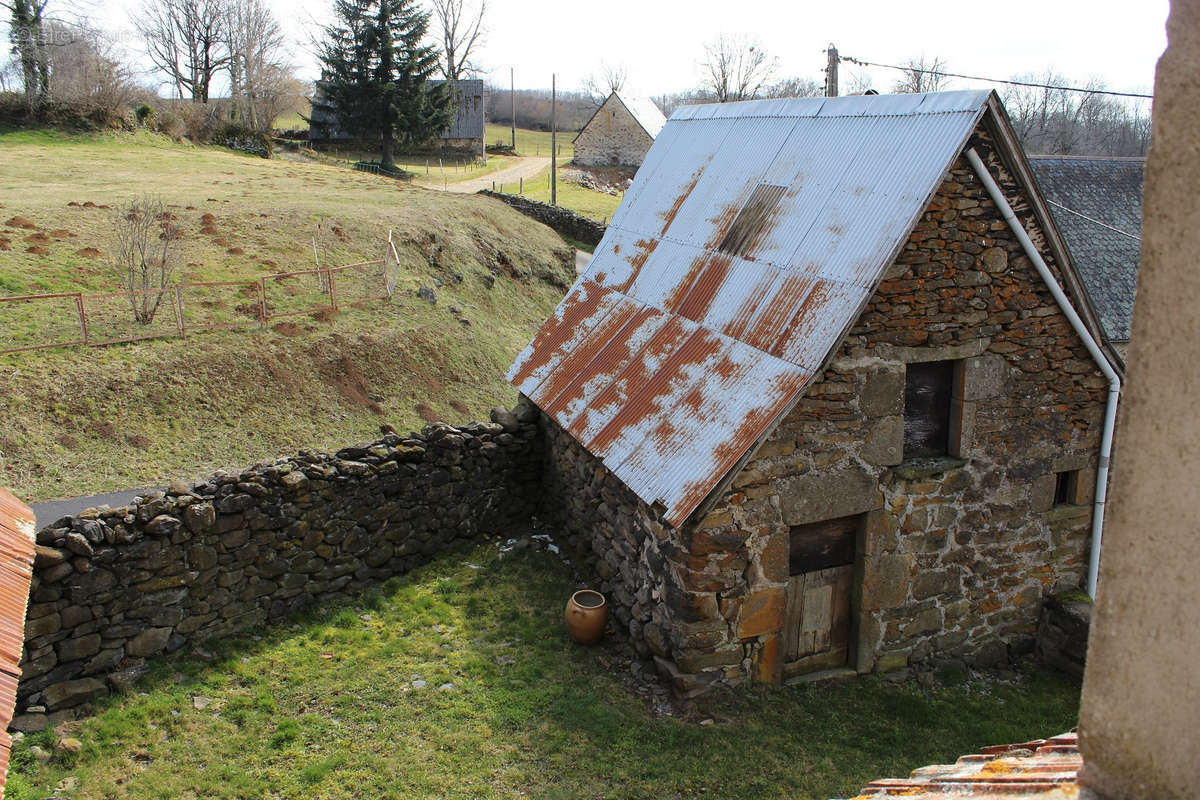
(262, 299)
(521, 190)
(178, 310)
(332, 291)
(82, 316)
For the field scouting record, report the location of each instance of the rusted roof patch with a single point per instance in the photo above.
(750, 239)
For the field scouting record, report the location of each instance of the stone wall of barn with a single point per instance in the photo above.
(114, 587)
(612, 138)
(954, 554)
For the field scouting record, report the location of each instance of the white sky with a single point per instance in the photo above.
(661, 43)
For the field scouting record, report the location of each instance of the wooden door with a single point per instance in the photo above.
(817, 632)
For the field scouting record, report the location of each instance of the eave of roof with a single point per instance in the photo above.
(1045, 769)
(16, 573)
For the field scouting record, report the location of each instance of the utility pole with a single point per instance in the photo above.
(553, 141)
(512, 95)
(831, 71)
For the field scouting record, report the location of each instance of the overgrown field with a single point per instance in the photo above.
(79, 421)
(458, 681)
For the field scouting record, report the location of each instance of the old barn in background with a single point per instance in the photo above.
(619, 133)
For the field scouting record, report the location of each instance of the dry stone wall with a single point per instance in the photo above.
(112, 588)
(563, 220)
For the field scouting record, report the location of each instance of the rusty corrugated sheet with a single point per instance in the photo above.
(16, 572)
(1046, 769)
(679, 346)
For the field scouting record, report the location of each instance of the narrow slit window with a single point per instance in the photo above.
(928, 395)
(749, 223)
(1066, 485)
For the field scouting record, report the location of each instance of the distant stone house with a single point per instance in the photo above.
(1096, 203)
(811, 407)
(619, 133)
(466, 132)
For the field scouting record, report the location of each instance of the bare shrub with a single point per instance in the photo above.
(144, 253)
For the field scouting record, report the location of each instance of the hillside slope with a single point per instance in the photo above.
(80, 420)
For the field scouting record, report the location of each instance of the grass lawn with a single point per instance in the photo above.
(79, 421)
(327, 707)
(532, 143)
(597, 205)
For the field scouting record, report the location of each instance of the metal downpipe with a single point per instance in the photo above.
(1114, 381)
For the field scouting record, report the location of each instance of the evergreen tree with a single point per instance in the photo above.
(375, 73)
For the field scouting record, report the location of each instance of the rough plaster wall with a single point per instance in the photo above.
(1141, 693)
(613, 137)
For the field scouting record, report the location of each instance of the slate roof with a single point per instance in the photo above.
(1046, 769)
(1097, 206)
(16, 572)
(750, 240)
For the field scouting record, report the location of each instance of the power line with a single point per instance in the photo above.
(996, 80)
(1094, 220)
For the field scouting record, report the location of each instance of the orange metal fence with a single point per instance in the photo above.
(67, 319)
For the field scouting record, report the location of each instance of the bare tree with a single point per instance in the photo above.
(86, 71)
(794, 87)
(27, 33)
(185, 39)
(144, 256)
(254, 42)
(736, 68)
(604, 81)
(459, 27)
(921, 75)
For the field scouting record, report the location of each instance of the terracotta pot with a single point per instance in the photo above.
(586, 614)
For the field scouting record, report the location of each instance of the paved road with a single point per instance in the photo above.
(51, 510)
(525, 168)
(582, 258)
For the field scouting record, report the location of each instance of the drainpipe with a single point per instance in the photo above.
(1114, 382)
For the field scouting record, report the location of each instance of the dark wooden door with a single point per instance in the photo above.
(817, 632)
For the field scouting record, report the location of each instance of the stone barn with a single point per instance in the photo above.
(466, 131)
(828, 397)
(619, 133)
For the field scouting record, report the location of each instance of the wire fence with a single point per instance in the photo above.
(75, 319)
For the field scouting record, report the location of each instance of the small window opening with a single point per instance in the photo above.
(928, 397)
(749, 223)
(1066, 485)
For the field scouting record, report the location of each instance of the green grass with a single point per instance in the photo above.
(532, 143)
(597, 205)
(79, 421)
(325, 708)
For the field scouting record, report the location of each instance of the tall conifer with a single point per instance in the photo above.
(375, 76)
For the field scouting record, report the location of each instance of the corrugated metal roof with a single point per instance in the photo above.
(669, 357)
(1046, 769)
(646, 112)
(16, 572)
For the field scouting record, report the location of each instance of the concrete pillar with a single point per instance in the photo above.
(1140, 721)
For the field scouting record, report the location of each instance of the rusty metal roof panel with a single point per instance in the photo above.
(16, 573)
(750, 239)
(1046, 769)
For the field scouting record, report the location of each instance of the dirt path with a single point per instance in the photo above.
(525, 168)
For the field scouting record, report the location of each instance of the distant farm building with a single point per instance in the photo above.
(464, 133)
(619, 133)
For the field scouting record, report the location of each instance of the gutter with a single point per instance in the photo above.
(1114, 382)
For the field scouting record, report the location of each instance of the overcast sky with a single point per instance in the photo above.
(661, 43)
